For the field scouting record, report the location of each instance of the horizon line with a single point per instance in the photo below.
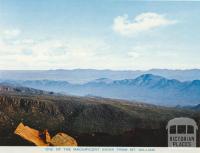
(60, 69)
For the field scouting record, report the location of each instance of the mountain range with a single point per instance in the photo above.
(147, 88)
(86, 75)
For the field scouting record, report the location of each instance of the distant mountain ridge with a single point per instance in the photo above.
(86, 75)
(148, 88)
(13, 88)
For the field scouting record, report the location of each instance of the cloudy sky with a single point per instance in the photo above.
(106, 34)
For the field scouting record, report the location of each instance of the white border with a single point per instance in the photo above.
(12, 149)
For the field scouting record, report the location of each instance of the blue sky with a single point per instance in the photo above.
(106, 34)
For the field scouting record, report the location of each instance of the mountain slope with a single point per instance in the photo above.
(91, 121)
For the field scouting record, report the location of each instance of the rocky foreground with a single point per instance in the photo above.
(91, 121)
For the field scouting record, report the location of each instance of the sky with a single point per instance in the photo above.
(93, 34)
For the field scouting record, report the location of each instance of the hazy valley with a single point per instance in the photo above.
(148, 88)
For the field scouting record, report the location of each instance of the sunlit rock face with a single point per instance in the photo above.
(39, 138)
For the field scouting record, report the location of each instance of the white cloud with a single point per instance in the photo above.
(50, 53)
(11, 33)
(155, 50)
(142, 22)
(134, 54)
(90, 53)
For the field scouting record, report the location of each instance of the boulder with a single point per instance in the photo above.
(31, 135)
(43, 138)
(62, 139)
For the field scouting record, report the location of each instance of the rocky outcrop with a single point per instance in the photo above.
(32, 135)
(43, 138)
(62, 139)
